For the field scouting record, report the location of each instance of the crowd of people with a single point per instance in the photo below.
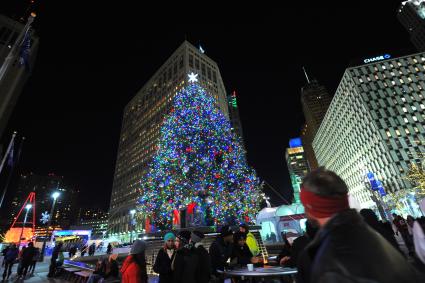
(26, 258)
(344, 245)
(339, 245)
(184, 259)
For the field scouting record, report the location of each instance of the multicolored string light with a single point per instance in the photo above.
(198, 160)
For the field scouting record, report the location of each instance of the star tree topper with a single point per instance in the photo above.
(193, 78)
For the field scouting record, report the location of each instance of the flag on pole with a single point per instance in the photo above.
(24, 52)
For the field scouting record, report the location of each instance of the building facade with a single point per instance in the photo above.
(16, 74)
(65, 213)
(411, 15)
(297, 165)
(315, 101)
(142, 120)
(375, 124)
(94, 219)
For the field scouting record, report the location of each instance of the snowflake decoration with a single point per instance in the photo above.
(45, 217)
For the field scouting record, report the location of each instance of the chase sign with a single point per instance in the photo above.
(377, 58)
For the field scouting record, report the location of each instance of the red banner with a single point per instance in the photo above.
(176, 217)
(191, 208)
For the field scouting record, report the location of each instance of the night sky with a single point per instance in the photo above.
(93, 59)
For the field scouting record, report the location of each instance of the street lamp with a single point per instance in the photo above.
(27, 207)
(132, 212)
(55, 195)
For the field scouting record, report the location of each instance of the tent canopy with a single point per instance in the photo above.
(295, 208)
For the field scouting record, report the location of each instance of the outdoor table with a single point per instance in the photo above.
(259, 272)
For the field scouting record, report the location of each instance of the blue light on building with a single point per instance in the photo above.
(295, 142)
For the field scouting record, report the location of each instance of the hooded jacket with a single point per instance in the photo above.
(252, 244)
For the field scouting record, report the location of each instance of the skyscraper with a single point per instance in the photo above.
(315, 101)
(411, 15)
(375, 124)
(235, 119)
(142, 120)
(297, 165)
(95, 219)
(16, 75)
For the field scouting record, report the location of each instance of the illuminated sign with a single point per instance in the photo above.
(295, 150)
(233, 100)
(296, 142)
(375, 184)
(377, 58)
(71, 233)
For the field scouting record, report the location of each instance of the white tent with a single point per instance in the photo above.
(282, 219)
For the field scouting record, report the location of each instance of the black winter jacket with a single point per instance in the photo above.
(203, 273)
(219, 253)
(186, 266)
(346, 249)
(162, 266)
(241, 255)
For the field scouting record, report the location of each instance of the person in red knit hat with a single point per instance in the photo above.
(345, 249)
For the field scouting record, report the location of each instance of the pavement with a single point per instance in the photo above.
(40, 274)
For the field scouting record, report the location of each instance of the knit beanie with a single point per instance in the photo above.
(138, 247)
(169, 236)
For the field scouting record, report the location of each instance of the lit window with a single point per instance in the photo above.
(404, 109)
(406, 121)
(388, 134)
(414, 118)
(414, 108)
(407, 131)
(397, 132)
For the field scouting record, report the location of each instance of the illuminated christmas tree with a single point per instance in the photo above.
(199, 163)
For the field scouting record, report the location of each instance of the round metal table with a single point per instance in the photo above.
(259, 272)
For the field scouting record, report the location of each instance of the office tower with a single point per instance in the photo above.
(315, 101)
(297, 165)
(142, 120)
(234, 117)
(94, 219)
(375, 124)
(411, 15)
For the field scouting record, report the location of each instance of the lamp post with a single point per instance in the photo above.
(27, 207)
(55, 195)
(132, 212)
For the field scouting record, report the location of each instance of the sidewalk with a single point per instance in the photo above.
(40, 274)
